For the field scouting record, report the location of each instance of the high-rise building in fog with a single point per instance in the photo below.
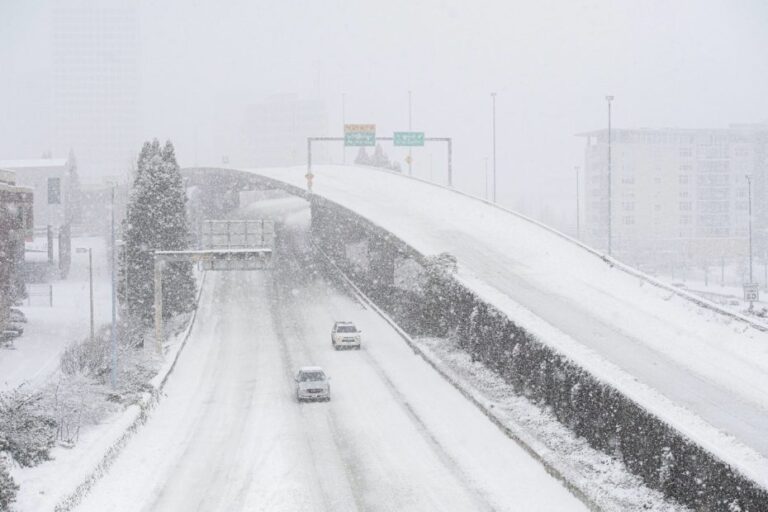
(276, 130)
(677, 194)
(96, 84)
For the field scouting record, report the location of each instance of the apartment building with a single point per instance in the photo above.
(676, 194)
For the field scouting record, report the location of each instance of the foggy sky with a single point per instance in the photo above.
(668, 63)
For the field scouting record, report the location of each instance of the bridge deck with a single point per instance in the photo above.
(669, 354)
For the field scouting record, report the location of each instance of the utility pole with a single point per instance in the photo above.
(578, 210)
(493, 101)
(410, 155)
(486, 178)
(114, 302)
(609, 99)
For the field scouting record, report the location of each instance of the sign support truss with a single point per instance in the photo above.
(310, 140)
(212, 259)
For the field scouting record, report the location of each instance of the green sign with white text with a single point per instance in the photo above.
(409, 138)
(359, 134)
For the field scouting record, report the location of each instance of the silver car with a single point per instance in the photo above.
(345, 335)
(312, 384)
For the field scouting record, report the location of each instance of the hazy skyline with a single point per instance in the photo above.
(677, 64)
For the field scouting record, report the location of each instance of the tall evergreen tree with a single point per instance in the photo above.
(156, 220)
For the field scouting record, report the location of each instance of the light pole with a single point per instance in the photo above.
(410, 155)
(609, 99)
(486, 178)
(749, 193)
(83, 250)
(493, 106)
(114, 305)
(343, 124)
(578, 210)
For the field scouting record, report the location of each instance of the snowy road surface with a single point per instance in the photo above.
(709, 364)
(230, 435)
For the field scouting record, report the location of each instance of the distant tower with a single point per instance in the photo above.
(96, 84)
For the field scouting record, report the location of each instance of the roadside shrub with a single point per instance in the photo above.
(8, 487)
(26, 433)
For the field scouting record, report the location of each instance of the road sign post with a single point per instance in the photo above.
(751, 293)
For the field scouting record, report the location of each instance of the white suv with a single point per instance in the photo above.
(345, 334)
(312, 384)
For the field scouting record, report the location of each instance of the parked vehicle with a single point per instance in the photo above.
(18, 315)
(15, 327)
(312, 384)
(345, 335)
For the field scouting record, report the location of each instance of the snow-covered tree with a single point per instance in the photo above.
(379, 159)
(156, 220)
(362, 157)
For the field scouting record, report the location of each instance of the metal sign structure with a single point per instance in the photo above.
(359, 135)
(310, 176)
(212, 259)
(237, 234)
(409, 139)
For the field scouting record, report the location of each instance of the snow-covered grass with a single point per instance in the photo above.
(34, 357)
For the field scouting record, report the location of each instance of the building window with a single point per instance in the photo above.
(628, 180)
(685, 219)
(685, 206)
(683, 179)
(742, 205)
(628, 206)
(686, 151)
(629, 220)
(684, 194)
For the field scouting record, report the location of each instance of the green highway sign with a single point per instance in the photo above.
(409, 138)
(359, 134)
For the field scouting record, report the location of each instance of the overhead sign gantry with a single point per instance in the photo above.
(364, 135)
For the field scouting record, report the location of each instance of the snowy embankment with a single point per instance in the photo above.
(61, 483)
(701, 369)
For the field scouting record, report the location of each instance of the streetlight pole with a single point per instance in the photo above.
(114, 305)
(749, 192)
(578, 210)
(493, 103)
(343, 124)
(609, 99)
(410, 155)
(90, 282)
(486, 178)
(90, 285)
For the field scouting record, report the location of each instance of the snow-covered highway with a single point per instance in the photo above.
(229, 434)
(710, 365)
